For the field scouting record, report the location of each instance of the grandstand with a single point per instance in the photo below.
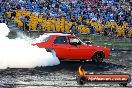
(105, 17)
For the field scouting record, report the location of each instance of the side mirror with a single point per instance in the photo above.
(89, 42)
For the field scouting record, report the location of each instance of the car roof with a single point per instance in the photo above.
(59, 34)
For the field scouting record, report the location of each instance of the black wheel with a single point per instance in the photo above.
(81, 80)
(48, 50)
(98, 57)
(123, 84)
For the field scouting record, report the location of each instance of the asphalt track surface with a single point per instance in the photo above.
(64, 74)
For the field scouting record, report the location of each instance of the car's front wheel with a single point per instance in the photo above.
(98, 57)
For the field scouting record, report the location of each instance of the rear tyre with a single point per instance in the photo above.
(98, 57)
(49, 50)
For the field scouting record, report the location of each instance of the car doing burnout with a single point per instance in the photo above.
(70, 47)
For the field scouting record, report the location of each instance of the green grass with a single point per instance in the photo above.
(117, 43)
(108, 43)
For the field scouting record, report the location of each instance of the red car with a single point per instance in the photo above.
(70, 47)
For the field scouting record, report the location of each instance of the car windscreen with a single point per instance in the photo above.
(75, 40)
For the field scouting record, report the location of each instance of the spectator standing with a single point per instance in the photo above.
(74, 30)
(22, 19)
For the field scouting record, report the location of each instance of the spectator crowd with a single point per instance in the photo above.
(112, 15)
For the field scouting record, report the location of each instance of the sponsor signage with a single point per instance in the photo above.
(121, 79)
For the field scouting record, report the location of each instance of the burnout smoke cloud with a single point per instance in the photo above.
(19, 53)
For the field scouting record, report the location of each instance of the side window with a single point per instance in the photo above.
(60, 40)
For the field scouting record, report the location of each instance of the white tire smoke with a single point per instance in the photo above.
(19, 53)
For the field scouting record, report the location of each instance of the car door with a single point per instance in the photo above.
(76, 48)
(74, 52)
(60, 46)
